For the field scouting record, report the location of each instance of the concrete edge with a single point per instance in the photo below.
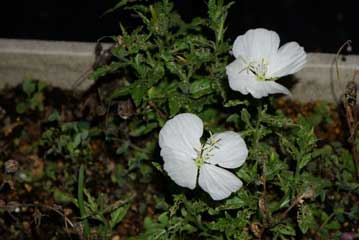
(62, 63)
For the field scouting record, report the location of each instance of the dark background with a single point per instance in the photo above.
(318, 25)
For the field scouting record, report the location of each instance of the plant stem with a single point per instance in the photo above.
(80, 197)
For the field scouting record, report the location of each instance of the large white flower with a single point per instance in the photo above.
(259, 62)
(184, 156)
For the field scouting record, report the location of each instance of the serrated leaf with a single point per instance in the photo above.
(236, 102)
(282, 229)
(304, 161)
(245, 116)
(118, 215)
(305, 218)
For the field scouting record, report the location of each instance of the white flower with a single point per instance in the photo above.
(259, 62)
(184, 156)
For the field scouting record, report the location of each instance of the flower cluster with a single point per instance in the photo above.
(259, 62)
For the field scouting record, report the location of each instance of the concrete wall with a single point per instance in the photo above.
(60, 64)
(63, 63)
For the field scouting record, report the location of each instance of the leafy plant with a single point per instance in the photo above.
(34, 96)
(109, 215)
(169, 67)
(295, 185)
(71, 140)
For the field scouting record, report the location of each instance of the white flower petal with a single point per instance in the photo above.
(182, 133)
(180, 167)
(239, 76)
(218, 182)
(179, 139)
(256, 44)
(260, 89)
(290, 58)
(245, 82)
(229, 151)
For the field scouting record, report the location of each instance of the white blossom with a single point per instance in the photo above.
(185, 157)
(259, 62)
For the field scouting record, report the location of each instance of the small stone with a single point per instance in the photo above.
(348, 236)
(11, 166)
(26, 226)
(28, 187)
(67, 212)
(116, 237)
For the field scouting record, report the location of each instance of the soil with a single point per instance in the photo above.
(33, 202)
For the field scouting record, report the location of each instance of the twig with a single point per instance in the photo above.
(263, 204)
(350, 106)
(351, 116)
(67, 221)
(158, 111)
(80, 196)
(325, 222)
(299, 200)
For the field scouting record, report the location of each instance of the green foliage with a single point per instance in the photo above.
(34, 96)
(294, 185)
(170, 66)
(71, 140)
(109, 215)
(288, 187)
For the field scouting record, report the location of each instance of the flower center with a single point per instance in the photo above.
(259, 69)
(204, 154)
(199, 161)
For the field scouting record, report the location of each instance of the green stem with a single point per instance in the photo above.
(80, 197)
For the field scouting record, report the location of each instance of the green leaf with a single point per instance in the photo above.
(201, 87)
(62, 197)
(21, 107)
(176, 102)
(305, 218)
(245, 116)
(235, 102)
(54, 116)
(37, 100)
(29, 87)
(333, 225)
(80, 199)
(91, 202)
(248, 173)
(119, 92)
(41, 86)
(143, 129)
(118, 215)
(118, 6)
(163, 218)
(106, 69)
(158, 167)
(304, 161)
(138, 92)
(282, 229)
